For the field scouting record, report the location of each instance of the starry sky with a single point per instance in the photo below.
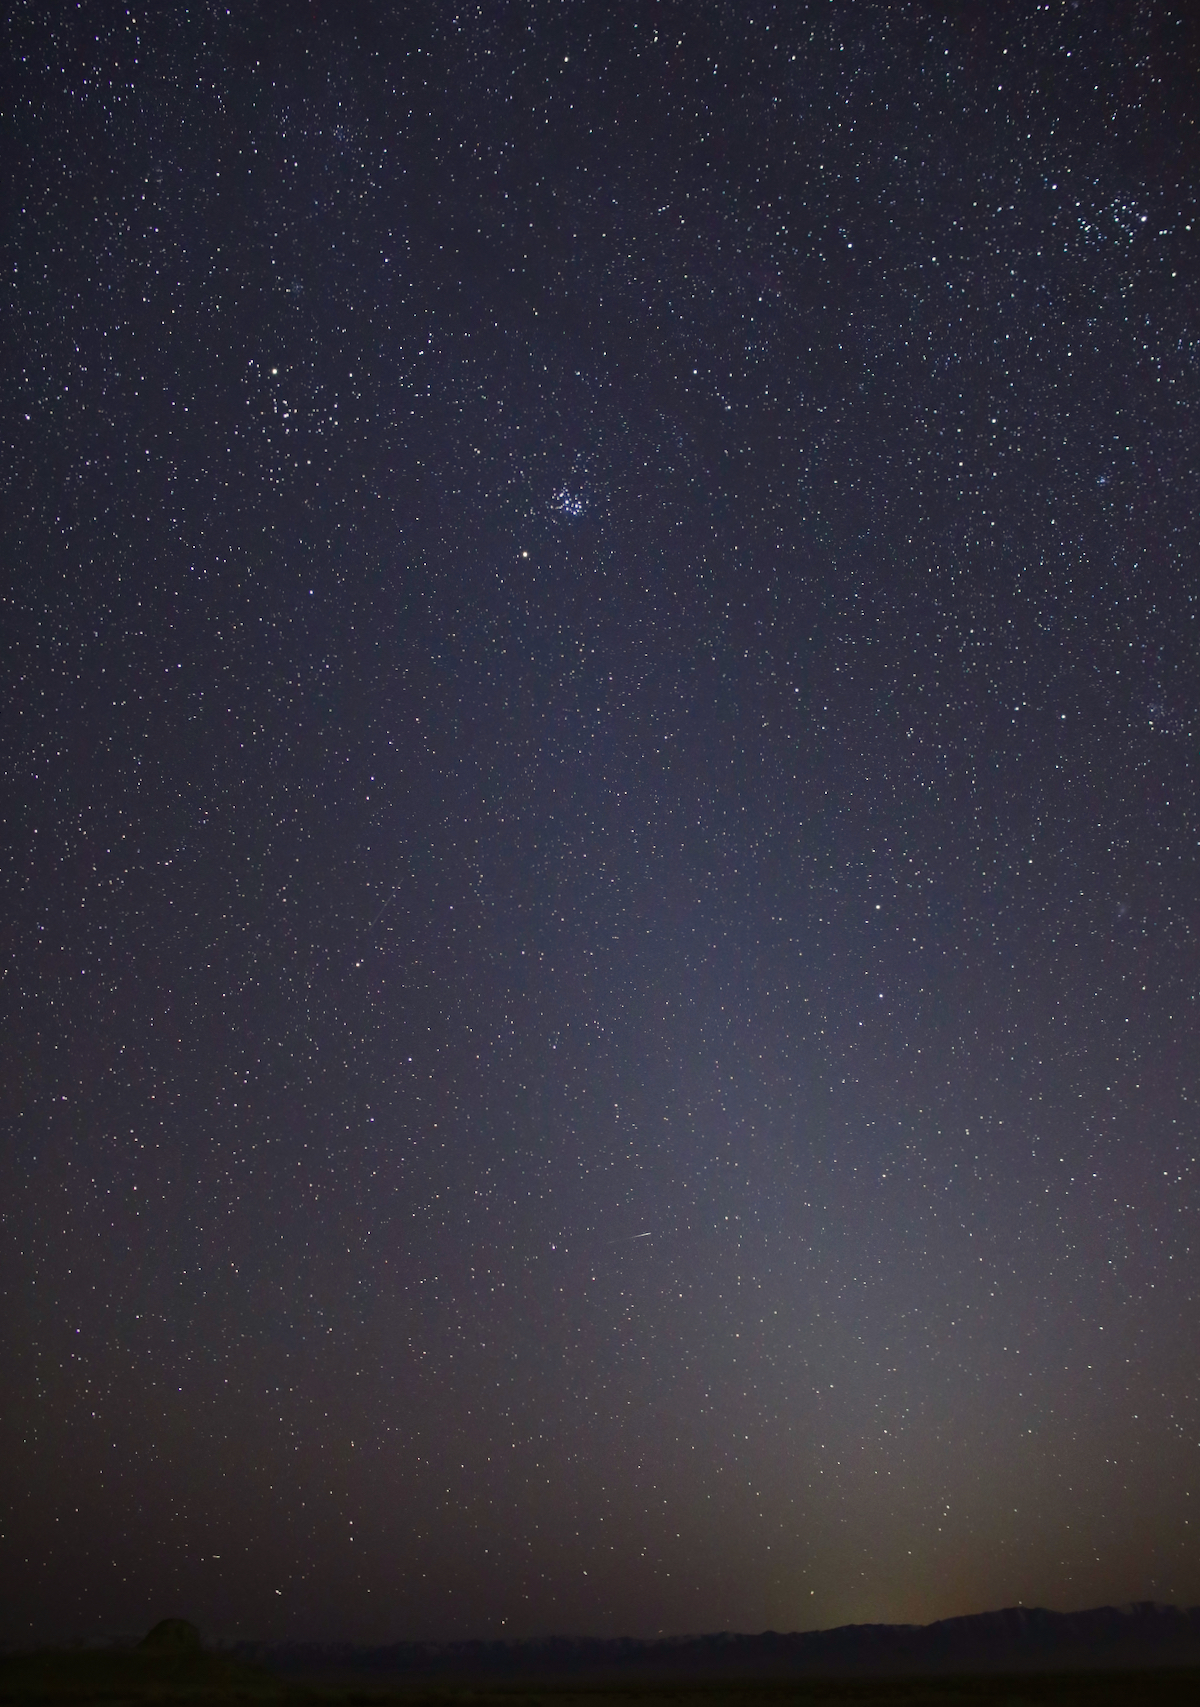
(601, 843)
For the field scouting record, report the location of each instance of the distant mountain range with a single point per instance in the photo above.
(1017, 1639)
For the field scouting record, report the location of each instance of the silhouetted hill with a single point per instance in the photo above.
(1018, 1638)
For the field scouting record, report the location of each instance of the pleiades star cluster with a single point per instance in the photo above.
(600, 882)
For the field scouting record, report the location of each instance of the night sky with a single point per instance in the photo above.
(601, 842)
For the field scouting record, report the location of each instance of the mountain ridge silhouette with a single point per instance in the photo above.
(1141, 1634)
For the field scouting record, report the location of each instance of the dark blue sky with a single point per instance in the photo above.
(600, 877)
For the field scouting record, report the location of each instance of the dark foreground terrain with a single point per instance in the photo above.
(122, 1675)
(116, 1678)
(1146, 1654)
